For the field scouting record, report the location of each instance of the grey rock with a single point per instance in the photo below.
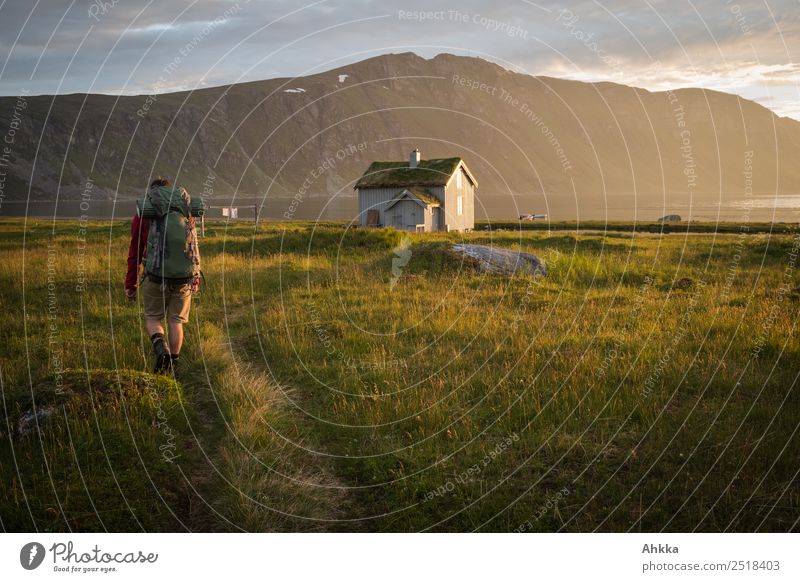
(30, 419)
(670, 218)
(503, 261)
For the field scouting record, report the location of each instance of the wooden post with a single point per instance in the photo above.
(255, 211)
(203, 225)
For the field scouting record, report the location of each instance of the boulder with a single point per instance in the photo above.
(670, 218)
(502, 261)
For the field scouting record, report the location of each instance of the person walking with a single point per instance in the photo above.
(164, 240)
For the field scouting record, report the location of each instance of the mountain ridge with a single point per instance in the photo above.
(520, 134)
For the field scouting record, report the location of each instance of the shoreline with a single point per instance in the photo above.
(587, 227)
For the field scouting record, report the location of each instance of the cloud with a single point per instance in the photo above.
(742, 46)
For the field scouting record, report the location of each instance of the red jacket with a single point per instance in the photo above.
(137, 251)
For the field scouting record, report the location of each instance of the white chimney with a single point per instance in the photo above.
(413, 159)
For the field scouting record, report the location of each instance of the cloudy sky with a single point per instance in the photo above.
(748, 47)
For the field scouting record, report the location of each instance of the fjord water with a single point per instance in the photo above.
(734, 208)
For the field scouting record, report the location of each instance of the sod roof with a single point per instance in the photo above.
(424, 195)
(400, 174)
(421, 193)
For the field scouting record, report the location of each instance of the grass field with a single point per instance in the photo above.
(354, 380)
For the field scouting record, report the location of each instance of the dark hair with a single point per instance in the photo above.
(159, 182)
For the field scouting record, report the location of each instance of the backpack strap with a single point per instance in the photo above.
(191, 248)
(157, 223)
(155, 201)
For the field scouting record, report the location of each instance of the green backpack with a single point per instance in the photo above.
(172, 249)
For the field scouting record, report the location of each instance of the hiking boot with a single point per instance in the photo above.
(163, 361)
(163, 364)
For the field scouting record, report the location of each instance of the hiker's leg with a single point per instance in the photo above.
(180, 302)
(175, 337)
(153, 300)
(153, 326)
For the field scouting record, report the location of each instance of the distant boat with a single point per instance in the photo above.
(533, 217)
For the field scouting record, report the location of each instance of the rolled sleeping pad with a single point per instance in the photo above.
(145, 208)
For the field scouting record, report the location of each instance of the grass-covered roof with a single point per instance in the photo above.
(420, 193)
(424, 195)
(399, 174)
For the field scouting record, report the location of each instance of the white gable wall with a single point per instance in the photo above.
(453, 220)
(407, 214)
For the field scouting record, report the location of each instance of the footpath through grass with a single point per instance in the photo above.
(372, 381)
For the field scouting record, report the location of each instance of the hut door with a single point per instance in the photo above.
(438, 218)
(413, 219)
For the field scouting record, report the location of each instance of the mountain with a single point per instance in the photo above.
(522, 136)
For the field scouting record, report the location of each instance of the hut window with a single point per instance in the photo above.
(460, 203)
(458, 180)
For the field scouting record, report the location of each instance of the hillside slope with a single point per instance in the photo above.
(519, 134)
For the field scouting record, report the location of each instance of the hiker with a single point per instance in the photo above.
(164, 238)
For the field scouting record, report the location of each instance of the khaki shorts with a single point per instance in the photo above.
(174, 300)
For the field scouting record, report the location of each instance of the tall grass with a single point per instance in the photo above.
(332, 382)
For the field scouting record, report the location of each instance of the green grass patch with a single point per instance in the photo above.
(370, 380)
